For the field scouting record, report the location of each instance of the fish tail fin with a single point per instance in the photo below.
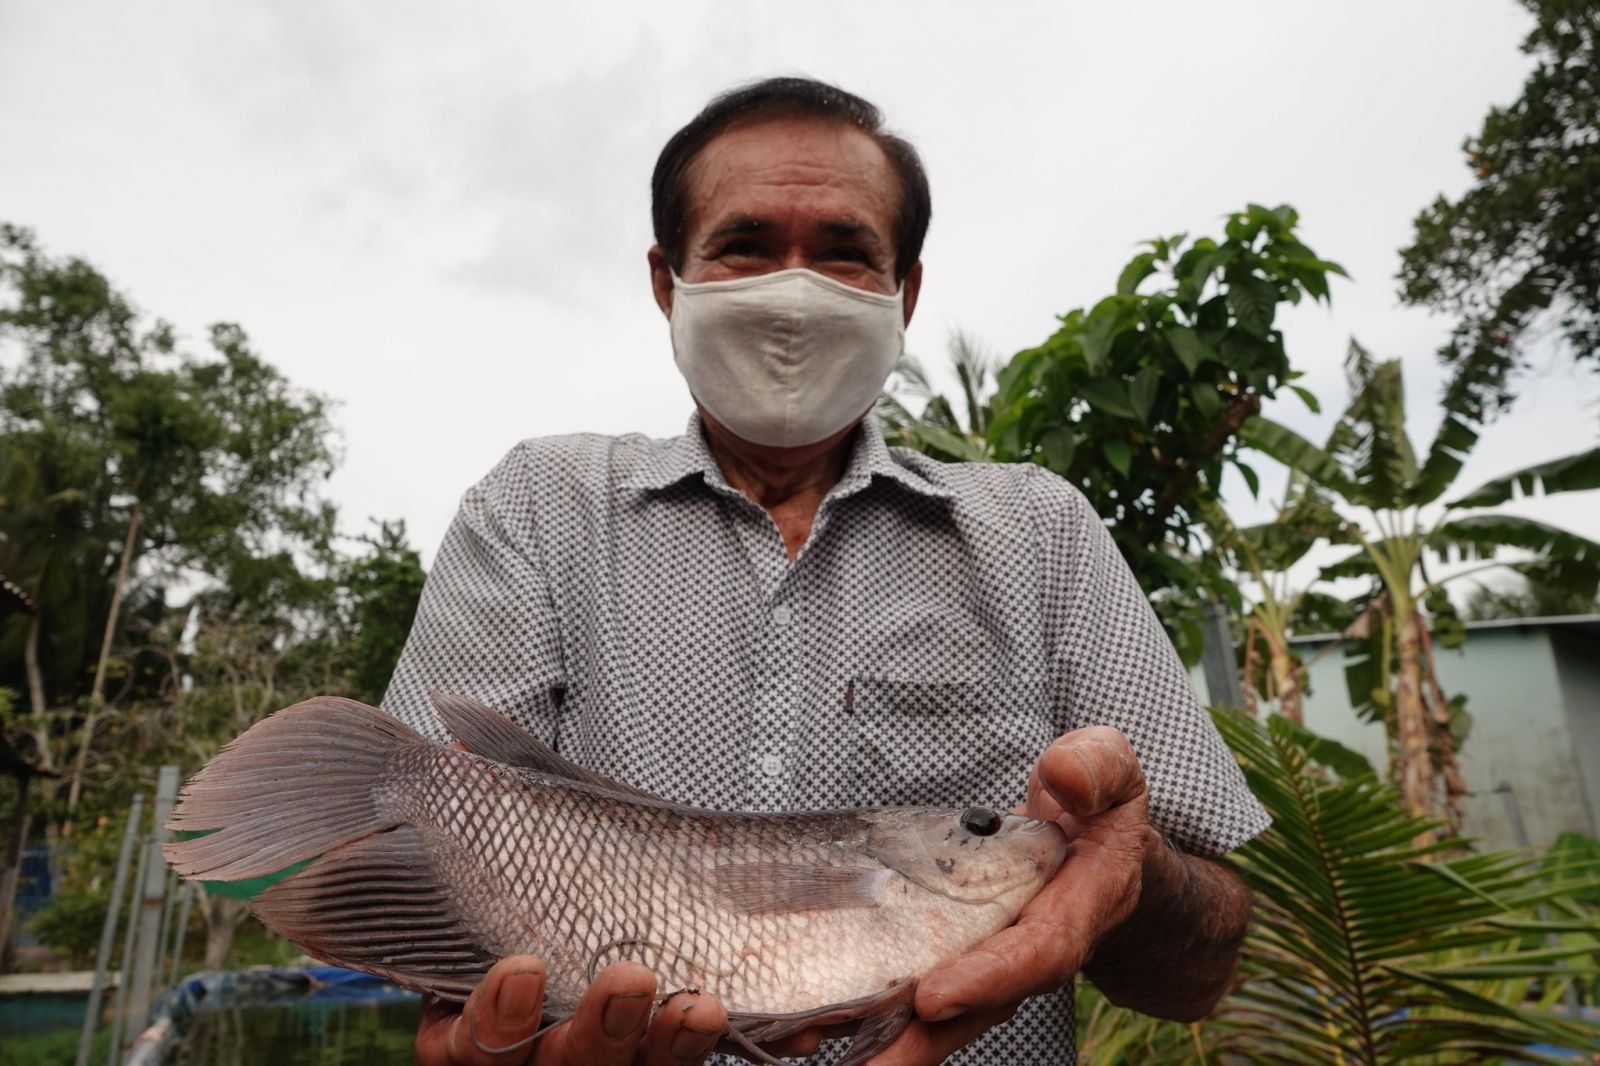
(377, 905)
(294, 785)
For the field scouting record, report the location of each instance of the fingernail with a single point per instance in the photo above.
(626, 1013)
(517, 1002)
(691, 1044)
(945, 1009)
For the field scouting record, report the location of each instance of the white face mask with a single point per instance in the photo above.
(786, 358)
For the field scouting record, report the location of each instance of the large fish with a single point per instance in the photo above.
(436, 862)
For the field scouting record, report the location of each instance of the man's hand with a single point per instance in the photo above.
(611, 1027)
(1089, 782)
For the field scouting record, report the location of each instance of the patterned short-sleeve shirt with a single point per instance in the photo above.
(942, 624)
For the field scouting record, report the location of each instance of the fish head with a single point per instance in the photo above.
(972, 856)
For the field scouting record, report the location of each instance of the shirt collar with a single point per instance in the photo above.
(682, 457)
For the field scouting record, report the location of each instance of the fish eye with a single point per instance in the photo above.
(980, 821)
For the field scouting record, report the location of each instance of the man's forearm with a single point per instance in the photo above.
(1175, 955)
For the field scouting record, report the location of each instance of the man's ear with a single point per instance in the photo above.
(660, 279)
(913, 286)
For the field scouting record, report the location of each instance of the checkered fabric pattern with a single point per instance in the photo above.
(940, 627)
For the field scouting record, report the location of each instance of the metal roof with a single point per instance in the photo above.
(1577, 621)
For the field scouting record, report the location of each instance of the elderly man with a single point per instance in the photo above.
(775, 611)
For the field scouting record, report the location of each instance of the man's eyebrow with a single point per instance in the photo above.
(850, 229)
(739, 224)
(847, 229)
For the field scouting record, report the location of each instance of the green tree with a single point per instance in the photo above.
(1369, 465)
(131, 465)
(383, 588)
(1139, 400)
(1521, 248)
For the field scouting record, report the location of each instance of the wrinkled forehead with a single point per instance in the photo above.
(774, 168)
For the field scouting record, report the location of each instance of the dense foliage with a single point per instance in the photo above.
(1519, 251)
(162, 508)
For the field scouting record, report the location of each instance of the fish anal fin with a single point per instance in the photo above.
(883, 1016)
(375, 905)
(487, 732)
(878, 1030)
(777, 888)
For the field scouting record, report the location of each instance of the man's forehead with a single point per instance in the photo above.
(747, 174)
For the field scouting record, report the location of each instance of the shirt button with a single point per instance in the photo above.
(782, 615)
(772, 765)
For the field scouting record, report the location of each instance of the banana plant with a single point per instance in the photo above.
(1368, 466)
(1368, 947)
(1265, 553)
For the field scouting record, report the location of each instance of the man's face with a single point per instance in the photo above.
(785, 193)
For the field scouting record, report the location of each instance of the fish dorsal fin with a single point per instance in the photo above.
(487, 732)
(778, 888)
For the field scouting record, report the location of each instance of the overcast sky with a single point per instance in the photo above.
(437, 214)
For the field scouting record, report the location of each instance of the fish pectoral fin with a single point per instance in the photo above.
(376, 905)
(487, 732)
(777, 888)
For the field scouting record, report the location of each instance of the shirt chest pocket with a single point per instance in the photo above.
(946, 743)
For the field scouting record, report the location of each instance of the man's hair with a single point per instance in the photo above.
(774, 98)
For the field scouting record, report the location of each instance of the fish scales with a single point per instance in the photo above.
(584, 880)
(777, 915)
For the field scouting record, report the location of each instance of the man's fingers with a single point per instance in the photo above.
(1002, 971)
(685, 1029)
(609, 1024)
(1088, 771)
(502, 1011)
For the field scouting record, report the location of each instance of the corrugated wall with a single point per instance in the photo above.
(1534, 695)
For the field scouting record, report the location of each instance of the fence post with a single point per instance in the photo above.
(152, 895)
(186, 893)
(108, 933)
(124, 979)
(1222, 675)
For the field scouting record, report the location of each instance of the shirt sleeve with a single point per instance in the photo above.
(1112, 664)
(485, 626)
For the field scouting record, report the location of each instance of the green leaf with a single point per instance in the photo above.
(1119, 455)
(1142, 392)
(1139, 267)
(1210, 263)
(1188, 347)
(943, 443)
(1308, 398)
(1251, 479)
(1097, 339)
(1059, 444)
(1298, 454)
(1345, 762)
(1572, 473)
(1254, 302)
(1109, 395)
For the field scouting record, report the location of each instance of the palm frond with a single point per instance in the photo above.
(1352, 917)
(1572, 473)
(1297, 453)
(1484, 536)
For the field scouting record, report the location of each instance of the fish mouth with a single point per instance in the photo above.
(1050, 845)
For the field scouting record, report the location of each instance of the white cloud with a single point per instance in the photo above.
(438, 214)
